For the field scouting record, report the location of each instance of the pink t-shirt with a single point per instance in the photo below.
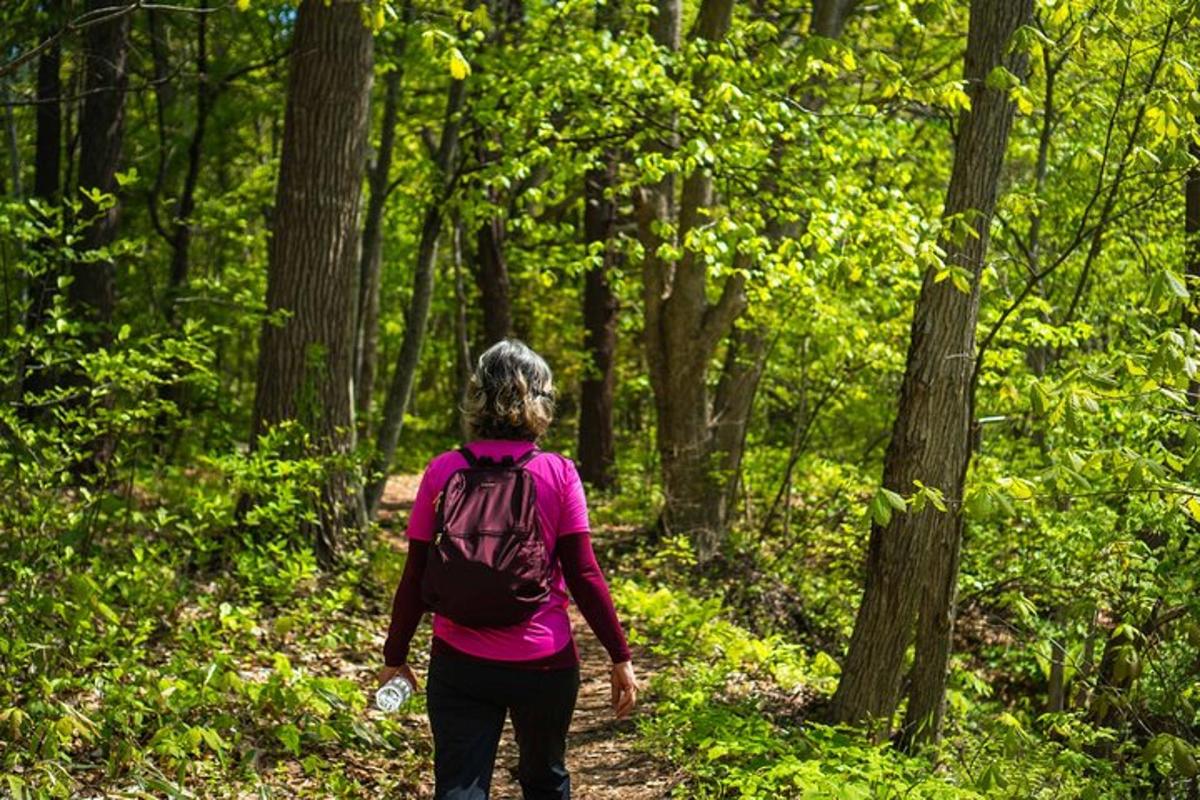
(562, 510)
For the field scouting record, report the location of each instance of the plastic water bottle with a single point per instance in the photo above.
(393, 694)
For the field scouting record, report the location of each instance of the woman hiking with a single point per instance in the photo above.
(497, 535)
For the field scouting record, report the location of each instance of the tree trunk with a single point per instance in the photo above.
(47, 165)
(47, 177)
(92, 292)
(829, 17)
(305, 363)
(14, 149)
(101, 127)
(1056, 687)
(746, 356)
(367, 325)
(417, 315)
(682, 329)
(974, 184)
(597, 448)
(462, 350)
(745, 359)
(491, 264)
(164, 95)
(180, 234)
(491, 276)
(1114, 676)
(932, 432)
(181, 230)
(597, 453)
(1087, 661)
(1191, 227)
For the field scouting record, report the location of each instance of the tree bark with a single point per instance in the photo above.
(14, 150)
(829, 17)
(164, 95)
(47, 165)
(748, 347)
(370, 264)
(974, 185)
(1056, 694)
(491, 264)
(101, 127)
(304, 370)
(92, 291)
(682, 329)
(462, 350)
(417, 316)
(491, 276)
(1191, 227)
(180, 233)
(181, 229)
(932, 432)
(597, 452)
(47, 177)
(733, 401)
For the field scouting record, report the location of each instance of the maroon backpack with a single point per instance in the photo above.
(488, 566)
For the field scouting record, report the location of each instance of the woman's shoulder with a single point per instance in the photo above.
(558, 460)
(445, 463)
(561, 469)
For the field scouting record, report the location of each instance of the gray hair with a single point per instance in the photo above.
(511, 394)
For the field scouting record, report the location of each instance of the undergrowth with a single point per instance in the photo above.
(138, 669)
(741, 716)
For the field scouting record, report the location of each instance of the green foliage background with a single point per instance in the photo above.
(154, 644)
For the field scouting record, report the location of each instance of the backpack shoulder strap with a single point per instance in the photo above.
(528, 456)
(466, 453)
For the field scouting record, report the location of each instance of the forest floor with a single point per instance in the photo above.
(604, 755)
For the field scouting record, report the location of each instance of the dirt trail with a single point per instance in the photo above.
(602, 753)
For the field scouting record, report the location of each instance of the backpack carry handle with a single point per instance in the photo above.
(474, 461)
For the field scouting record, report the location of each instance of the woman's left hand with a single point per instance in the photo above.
(624, 689)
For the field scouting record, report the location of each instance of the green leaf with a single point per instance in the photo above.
(1020, 488)
(1060, 12)
(1001, 78)
(881, 512)
(460, 68)
(1192, 505)
(1022, 97)
(1156, 746)
(290, 736)
(1176, 284)
(895, 500)
(282, 665)
(212, 739)
(979, 503)
(1184, 759)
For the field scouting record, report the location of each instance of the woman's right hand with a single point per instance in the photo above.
(387, 673)
(624, 689)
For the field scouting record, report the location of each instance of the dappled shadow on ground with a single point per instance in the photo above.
(603, 754)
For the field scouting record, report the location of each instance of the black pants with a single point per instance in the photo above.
(467, 702)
